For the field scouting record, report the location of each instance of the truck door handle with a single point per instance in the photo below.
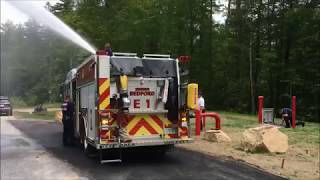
(91, 119)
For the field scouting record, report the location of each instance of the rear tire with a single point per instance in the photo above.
(89, 150)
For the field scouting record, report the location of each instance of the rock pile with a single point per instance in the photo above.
(265, 138)
(216, 136)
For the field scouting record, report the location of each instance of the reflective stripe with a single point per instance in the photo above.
(144, 125)
(104, 93)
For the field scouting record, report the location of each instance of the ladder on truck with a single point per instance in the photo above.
(115, 154)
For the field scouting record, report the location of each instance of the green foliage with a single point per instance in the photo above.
(34, 62)
(18, 102)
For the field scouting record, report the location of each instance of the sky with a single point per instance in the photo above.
(8, 12)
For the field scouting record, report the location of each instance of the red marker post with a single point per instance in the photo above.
(198, 124)
(293, 111)
(260, 108)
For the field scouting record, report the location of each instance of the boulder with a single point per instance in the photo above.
(216, 136)
(264, 138)
(58, 116)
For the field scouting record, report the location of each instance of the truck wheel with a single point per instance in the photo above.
(89, 150)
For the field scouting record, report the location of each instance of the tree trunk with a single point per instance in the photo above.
(251, 79)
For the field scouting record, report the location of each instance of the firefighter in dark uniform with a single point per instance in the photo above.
(108, 50)
(286, 114)
(67, 120)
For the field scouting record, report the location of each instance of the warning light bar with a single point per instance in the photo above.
(184, 59)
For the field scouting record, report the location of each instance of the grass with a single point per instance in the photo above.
(52, 105)
(238, 121)
(301, 136)
(48, 116)
(19, 103)
(232, 120)
(309, 134)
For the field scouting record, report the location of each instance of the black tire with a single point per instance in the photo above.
(89, 150)
(81, 130)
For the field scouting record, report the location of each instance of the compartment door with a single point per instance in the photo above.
(91, 112)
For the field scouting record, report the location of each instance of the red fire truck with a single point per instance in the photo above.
(143, 96)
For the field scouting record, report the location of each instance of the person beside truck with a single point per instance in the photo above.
(67, 120)
(201, 104)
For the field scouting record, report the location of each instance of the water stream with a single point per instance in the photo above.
(46, 18)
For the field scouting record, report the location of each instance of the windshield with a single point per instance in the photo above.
(124, 65)
(143, 67)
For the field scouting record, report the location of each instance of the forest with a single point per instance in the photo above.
(267, 48)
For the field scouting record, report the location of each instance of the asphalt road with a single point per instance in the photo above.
(33, 150)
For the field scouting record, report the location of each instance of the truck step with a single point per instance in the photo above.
(110, 161)
(107, 156)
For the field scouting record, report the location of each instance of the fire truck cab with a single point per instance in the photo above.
(141, 95)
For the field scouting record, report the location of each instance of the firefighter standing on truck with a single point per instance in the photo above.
(108, 50)
(67, 120)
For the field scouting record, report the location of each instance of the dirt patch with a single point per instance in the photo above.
(300, 161)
